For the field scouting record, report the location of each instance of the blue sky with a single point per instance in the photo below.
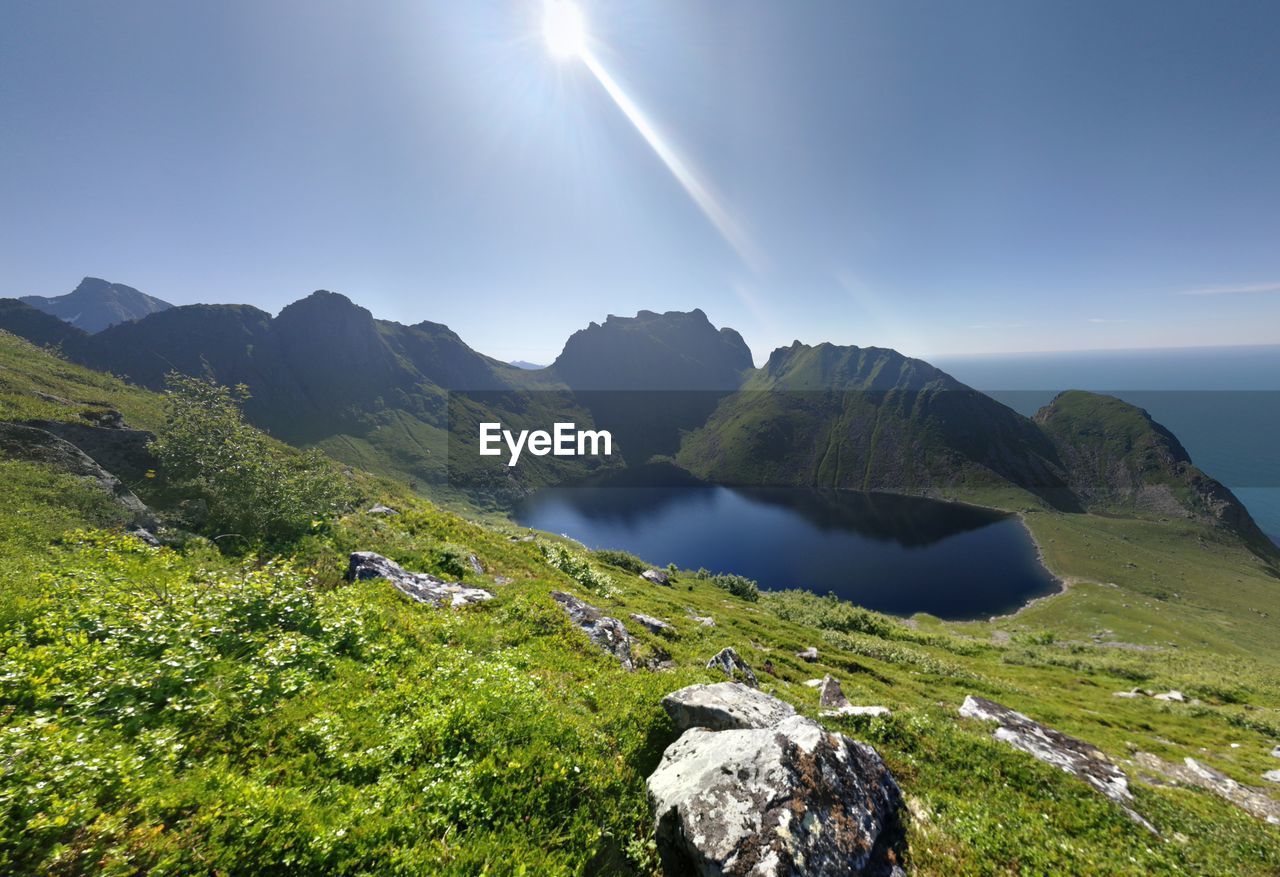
(938, 177)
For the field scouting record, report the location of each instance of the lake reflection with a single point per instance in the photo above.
(890, 553)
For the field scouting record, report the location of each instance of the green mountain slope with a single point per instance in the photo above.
(869, 419)
(1120, 460)
(182, 710)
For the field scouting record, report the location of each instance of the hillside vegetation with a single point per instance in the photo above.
(205, 708)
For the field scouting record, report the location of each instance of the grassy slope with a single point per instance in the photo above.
(197, 713)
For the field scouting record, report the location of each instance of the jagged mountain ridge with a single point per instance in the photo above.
(96, 304)
(376, 393)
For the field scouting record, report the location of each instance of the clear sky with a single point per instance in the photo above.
(939, 177)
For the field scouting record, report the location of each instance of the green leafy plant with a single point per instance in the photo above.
(739, 586)
(249, 486)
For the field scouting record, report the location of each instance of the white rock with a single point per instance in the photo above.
(608, 633)
(793, 799)
(1076, 757)
(417, 586)
(724, 706)
(653, 625)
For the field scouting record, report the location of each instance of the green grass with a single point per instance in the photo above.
(26, 371)
(184, 711)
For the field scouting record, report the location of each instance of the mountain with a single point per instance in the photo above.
(869, 419)
(652, 377)
(1119, 460)
(36, 326)
(651, 351)
(96, 304)
(525, 364)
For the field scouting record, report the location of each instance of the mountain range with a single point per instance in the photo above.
(406, 401)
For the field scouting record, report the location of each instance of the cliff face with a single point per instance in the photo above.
(1120, 460)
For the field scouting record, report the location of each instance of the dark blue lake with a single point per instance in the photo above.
(894, 554)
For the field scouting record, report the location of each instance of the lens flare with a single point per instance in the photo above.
(680, 169)
(564, 29)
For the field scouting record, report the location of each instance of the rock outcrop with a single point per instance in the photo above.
(786, 799)
(1076, 757)
(656, 576)
(608, 633)
(809, 655)
(1192, 773)
(653, 625)
(41, 446)
(728, 662)
(418, 586)
(834, 704)
(724, 706)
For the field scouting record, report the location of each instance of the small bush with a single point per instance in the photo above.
(577, 568)
(739, 586)
(248, 486)
(830, 613)
(620, 559)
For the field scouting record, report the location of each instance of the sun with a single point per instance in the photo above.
(564, 29)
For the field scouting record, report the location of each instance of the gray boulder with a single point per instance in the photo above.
(787, 800)
(608, 633)
(724, 706)
(831, 698)
(656, 576)
(653, 625)
(1076, 757)
(1192, 773)
(123, 452)
(728, 662)
(145, 536)
(381, 509)
(1272, 776)
(810, 655)
(41, 446)
(417, 586)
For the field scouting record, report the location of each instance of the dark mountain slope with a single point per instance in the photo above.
(651, 377)
(868, 419)
(96, 304)
(1119, 460)
(35, 325)
(324, 372)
